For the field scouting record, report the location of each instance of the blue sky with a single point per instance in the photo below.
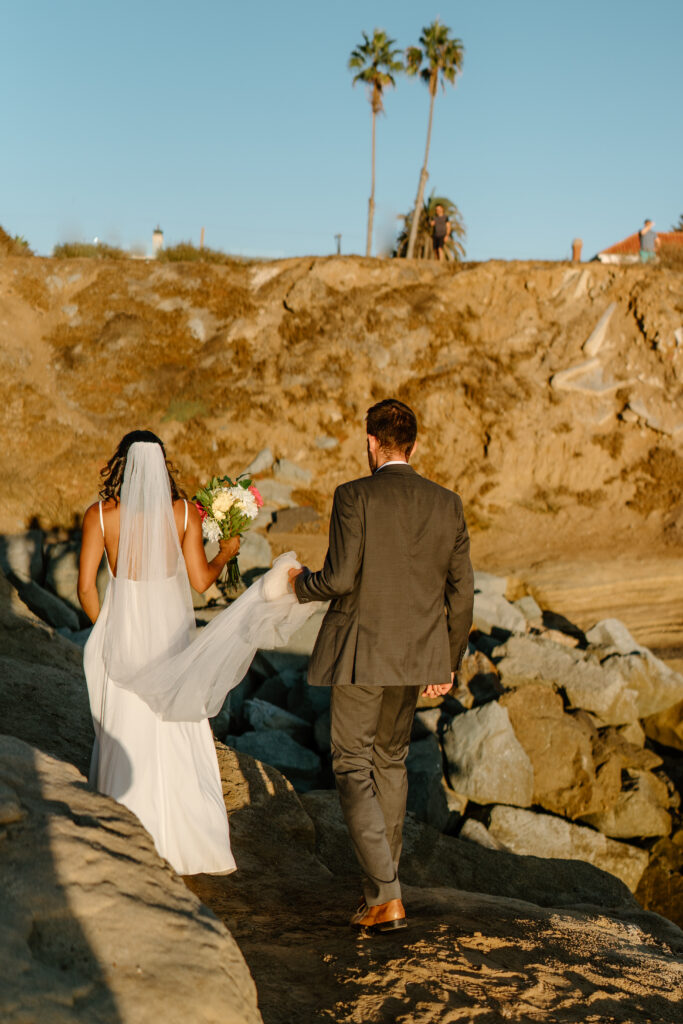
(241, 117)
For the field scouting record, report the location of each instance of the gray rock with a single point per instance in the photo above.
(289, 473)
(278, 749)
(640, 810)
(326, 443)
(288, 519)
(261, 463)
(491, 611)
(530, 609)
(544, 835)
(618, 690)
(43, 696)
(308, 701)
(11, 810)
(262, 715)
(255, 553)
(477, 681)
(432, 859)
(487, 583)
(612, 633)
(486, 761)
(559, 747)
(426, 797)
(61, 573)
(80, 638)
(476, 832)
(48, 606)
(21, 556)
(95, 926)
(275, 492)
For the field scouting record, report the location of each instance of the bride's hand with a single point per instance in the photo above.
(229, 546)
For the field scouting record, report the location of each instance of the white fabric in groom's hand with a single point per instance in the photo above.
(193, 684)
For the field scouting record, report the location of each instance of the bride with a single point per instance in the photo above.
(153, 682)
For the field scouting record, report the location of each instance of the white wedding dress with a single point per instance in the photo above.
(153, 682)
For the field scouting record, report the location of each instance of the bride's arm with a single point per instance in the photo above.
(92, 548)
(202, 573)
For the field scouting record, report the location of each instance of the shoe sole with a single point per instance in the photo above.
(384, 926)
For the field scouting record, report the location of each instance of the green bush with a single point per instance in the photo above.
(88, 250)
(186, 252)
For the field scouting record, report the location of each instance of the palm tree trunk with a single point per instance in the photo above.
(371, 201)
(423, 178)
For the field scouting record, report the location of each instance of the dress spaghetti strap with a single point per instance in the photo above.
(99, 503)
(185, 500)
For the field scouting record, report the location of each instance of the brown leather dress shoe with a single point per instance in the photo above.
(385, 917)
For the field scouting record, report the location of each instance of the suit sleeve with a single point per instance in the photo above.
(344, 557)
(459, 592)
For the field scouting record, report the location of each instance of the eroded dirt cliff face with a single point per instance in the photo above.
(548, 395)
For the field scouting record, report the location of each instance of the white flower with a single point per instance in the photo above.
(246, 501)
(211, 530)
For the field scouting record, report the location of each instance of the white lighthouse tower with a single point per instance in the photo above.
(157, 240)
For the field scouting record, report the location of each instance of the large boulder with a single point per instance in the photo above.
(262, 715)
(432, 859)
(486, 761)
(640, 811)
(560, 749)
(94, 926)
(61, 574)
(43, 696)
(618, 689)
(426, 795)
(48, 606)
(666, 727)
(277, 748)
(543, 835)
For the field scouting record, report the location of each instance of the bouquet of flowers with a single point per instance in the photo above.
(228, 507)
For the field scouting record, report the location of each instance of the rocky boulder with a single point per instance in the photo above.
(543, 835)
(94, 925)
(618, 689)
(560, 749)
(486, 761)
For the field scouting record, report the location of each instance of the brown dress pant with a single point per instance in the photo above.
(370, 732)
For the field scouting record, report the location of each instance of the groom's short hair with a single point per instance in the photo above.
(393, 424)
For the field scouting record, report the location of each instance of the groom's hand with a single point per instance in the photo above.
(293, 573)
(435, 690)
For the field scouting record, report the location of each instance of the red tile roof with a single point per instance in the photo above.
(631, 246)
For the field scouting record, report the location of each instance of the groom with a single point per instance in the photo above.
(399, 578)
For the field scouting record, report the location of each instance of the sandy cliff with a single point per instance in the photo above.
(549, 395)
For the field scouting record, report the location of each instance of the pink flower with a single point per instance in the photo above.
(257, 496)
(202, 511)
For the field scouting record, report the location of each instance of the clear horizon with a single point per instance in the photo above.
(245, 122)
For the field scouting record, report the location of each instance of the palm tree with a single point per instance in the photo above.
(377, 63)
(439, 57)
(454, 248)
(679, 226)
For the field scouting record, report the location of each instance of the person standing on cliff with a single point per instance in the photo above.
(398, 557)
(648, 241)
(441, 230)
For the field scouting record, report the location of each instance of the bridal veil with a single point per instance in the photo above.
(152, 647)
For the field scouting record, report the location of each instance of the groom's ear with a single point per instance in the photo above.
(411, 452)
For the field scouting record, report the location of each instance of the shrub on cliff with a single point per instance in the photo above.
(186, 252)
(13, 246)
(88, 250)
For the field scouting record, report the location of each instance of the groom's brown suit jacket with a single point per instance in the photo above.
(400, 582)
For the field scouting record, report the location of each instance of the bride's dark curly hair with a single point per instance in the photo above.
(112, 474)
